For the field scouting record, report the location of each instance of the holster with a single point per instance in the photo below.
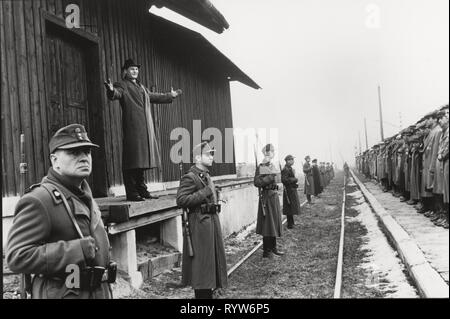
(270, 187)
(92, 277)
(210, 208)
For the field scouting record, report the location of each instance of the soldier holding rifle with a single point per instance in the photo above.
(268, 223)
(291, 202)
(206, 270)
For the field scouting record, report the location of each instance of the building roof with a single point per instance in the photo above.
(201, 11)
(209, 53)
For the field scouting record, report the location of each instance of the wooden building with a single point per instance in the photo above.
(52, 75)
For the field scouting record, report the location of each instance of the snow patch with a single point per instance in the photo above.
(382, 262)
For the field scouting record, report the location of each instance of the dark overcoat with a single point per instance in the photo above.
(207, 269)
(140, 147)
(416, 160)
(316, 177)
(291, 202)
(43, 241)
(443, 158)
(270, 223)
(309, 180)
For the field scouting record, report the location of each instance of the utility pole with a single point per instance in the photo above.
(331, 154)
(359, 137)
(365, 129)
(400, 116)
(381, 113)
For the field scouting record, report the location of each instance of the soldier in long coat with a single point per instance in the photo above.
(140, 147)
(47, 236)
(316, 177)
(322, 175)
(207, 269)
(443, 158)
(414, 191)
(430, 148)
(291, 202)
(268, 222)
(309, 180)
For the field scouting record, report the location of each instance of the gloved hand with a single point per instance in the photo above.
(88, 247)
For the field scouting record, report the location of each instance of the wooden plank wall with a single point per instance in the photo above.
(124, 29)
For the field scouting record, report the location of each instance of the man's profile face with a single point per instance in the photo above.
(133, 72)
(290, 162)
(206, 159)
(443, 121)
(74, 162)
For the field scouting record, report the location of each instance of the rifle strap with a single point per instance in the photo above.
(66, 205)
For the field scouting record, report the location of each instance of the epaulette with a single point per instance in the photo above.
(29, 189)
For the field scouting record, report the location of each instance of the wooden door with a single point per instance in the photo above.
(68, 92)
(67, 83)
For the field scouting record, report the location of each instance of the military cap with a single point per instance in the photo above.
(441, 113)
(268, 148)
(70, 136)
(314, 160)
(289, 157)
(129, 63)
(203, 148)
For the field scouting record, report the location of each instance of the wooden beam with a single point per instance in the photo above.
(142, 221)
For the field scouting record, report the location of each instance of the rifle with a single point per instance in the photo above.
(263, 206)
(185, 222)
(284, 189)
(25, 279)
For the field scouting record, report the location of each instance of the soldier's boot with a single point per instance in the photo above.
(445, 224)
(203, 293)
(274, 247)
(141, 187)
(129, 178)
(267, 252)
(429, 214)
(440, 221)
(411, 202)
(442, 218)
(290, 221)
(435, 216)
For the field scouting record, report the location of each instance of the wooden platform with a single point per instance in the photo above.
(119, 210)
(121, 215)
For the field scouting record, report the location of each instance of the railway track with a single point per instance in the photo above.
(338, 282)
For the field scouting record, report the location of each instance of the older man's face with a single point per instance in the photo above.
(74, 162)
(133, 72)
(443, 121)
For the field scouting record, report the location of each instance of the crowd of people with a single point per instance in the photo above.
(414, 165)
(267, 178)
(317, 177)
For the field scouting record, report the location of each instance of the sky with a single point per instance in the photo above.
(319, 63)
